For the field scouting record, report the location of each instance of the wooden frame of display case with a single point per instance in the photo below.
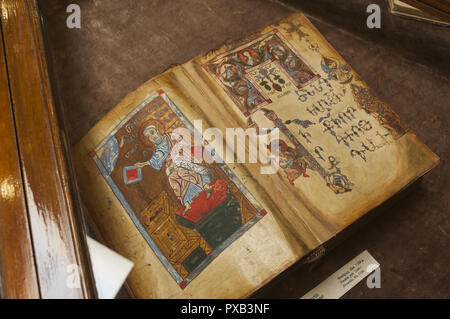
(42, 240)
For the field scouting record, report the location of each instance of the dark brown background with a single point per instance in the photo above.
(123, 43)
(140, 195)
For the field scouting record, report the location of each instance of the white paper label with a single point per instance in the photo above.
(345, 278)
(110, 269)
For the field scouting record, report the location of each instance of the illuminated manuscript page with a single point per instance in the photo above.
(342, 152)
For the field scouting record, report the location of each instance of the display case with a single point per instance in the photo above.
(58, 81)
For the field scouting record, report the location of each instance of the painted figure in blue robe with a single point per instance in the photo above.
(336, 72)
(110, 153)
(187, 179)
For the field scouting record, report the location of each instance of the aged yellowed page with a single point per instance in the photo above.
(357, 151)
(259, 254)
(222, 230)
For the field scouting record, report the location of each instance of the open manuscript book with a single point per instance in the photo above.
(222, 230)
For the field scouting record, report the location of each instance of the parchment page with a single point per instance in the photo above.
(342, 150)
(226, 250)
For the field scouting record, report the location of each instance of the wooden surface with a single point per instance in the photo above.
(437, 8)
(57, 235)
(17, 267)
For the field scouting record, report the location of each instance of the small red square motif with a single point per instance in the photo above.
(132, 174)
